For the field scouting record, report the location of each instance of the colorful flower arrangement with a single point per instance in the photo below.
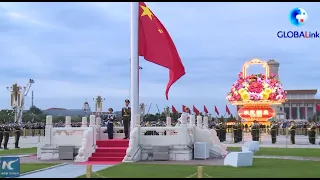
(256, 87)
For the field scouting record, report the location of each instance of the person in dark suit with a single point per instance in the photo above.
(126, 117)
(292, 130)
(110, 119)
(273, 132)
(17, 135)
(1, 135)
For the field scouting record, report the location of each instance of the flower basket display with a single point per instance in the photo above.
(256, 93)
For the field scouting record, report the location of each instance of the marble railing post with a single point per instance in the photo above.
(92, 120)
(98, 126)
(93, 125)
(47, 138)
(84, 122)
(168, 119)
(192, 120)
(183, 132)
(199, 121)
(206, 122)
(168, 125)
(68, 122)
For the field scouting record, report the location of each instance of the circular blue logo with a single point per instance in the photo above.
(298, 16)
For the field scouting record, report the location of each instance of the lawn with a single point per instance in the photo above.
(262, 168)
(302, 152)
(19, 151)
(27, 167)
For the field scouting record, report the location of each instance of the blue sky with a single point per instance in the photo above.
(76, 51)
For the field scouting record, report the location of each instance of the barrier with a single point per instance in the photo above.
(200, 173)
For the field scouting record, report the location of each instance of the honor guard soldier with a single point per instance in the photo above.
(1, 134)
(292, 130)
(126, 117)
(235, 133)
(6, 135)
(17, 135)
(224, 131)
(273, 132)
(240, 131)
(255, 131)
(110, 119)
(218, 130)
(312, 133)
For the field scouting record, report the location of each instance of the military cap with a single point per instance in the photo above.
(127, 101)
(110, 109)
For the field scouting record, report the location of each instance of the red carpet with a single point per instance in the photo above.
(99, 163)
(109, 151)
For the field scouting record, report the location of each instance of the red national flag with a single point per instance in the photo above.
(205, 110)
(184, 108)
(156, 45)
(227, 110)
(195, 110)
(174, 109)
(216, 110)
(318, 107)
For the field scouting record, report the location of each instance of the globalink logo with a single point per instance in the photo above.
(298, 17)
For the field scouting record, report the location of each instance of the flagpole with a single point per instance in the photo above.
(134, 65)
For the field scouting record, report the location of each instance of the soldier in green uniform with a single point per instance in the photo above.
(1, 134)
(240, 131)
(126, 117)
(273, 132)
(235, 133)
(224, 131)
(18, 134)
(6, 135)
(218, 130)
(292, 130)
(312, 133)
(255, 131)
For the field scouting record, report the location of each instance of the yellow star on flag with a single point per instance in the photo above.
(146, 12)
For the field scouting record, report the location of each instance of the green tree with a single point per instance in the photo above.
(221, 119)
(35, 110)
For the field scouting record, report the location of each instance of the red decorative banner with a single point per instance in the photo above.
(256, 113)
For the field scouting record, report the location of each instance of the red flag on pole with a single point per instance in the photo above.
(174, 109)
(195, 110)
(227, 110)
(216, 110)
(184, 108)
(156, 45)
(318, 107)
(205, 110)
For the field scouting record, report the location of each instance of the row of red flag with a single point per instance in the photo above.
(197, 112)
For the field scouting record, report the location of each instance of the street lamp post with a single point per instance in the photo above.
(99, 100)
(16, 98)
